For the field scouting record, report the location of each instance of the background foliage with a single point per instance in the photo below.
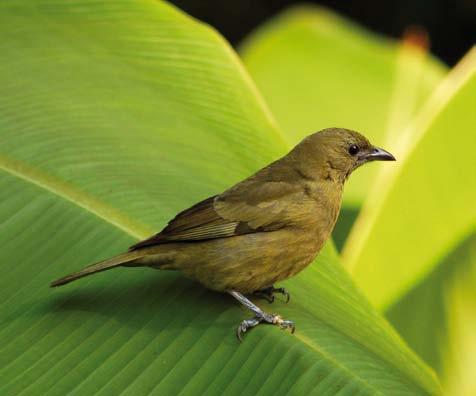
(116, 115)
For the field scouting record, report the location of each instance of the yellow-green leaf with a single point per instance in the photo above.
(437, 319)
(424, 207)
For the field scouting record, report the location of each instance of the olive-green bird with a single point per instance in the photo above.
(262, 230)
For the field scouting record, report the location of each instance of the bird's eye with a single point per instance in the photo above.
(353, 149)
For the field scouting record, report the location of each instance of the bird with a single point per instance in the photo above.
(262, 230)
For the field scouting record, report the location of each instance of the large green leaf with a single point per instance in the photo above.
(317, 70)
(437, 319)
(113, 116)
(422, 210)
(460, 348)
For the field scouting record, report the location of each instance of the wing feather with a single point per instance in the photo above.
(254, 205)
(199, 222)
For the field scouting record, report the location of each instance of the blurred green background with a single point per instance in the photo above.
(116, 115)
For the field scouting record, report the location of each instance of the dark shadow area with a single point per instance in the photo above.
(451, 26)
(157, 300)
(344, 223)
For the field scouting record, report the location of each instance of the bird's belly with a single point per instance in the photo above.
(248, 262)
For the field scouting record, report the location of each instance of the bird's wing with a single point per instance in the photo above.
(198, 222)
(245, 208)
(263, 206)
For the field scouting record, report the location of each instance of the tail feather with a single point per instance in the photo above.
(98, 267)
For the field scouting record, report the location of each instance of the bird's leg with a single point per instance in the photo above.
(260, 316)
(268, 293)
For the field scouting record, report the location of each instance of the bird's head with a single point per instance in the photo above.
(336, 152)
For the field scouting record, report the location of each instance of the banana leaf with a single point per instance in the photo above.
(114, 116)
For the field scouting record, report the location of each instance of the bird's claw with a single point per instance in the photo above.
(267, 296)
(268, 293)
(245, 325)
(284, 292)
(267, 318)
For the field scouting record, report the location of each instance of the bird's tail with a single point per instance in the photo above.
(98, 267)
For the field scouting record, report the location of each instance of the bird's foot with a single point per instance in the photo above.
(263, 318)
(260, 317)
(268, 293)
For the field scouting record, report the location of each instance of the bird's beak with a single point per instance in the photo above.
(377, 154)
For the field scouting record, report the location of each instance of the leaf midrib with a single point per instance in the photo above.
(75, 196)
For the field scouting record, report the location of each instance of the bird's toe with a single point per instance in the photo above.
(284, 292)
(245, 326)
